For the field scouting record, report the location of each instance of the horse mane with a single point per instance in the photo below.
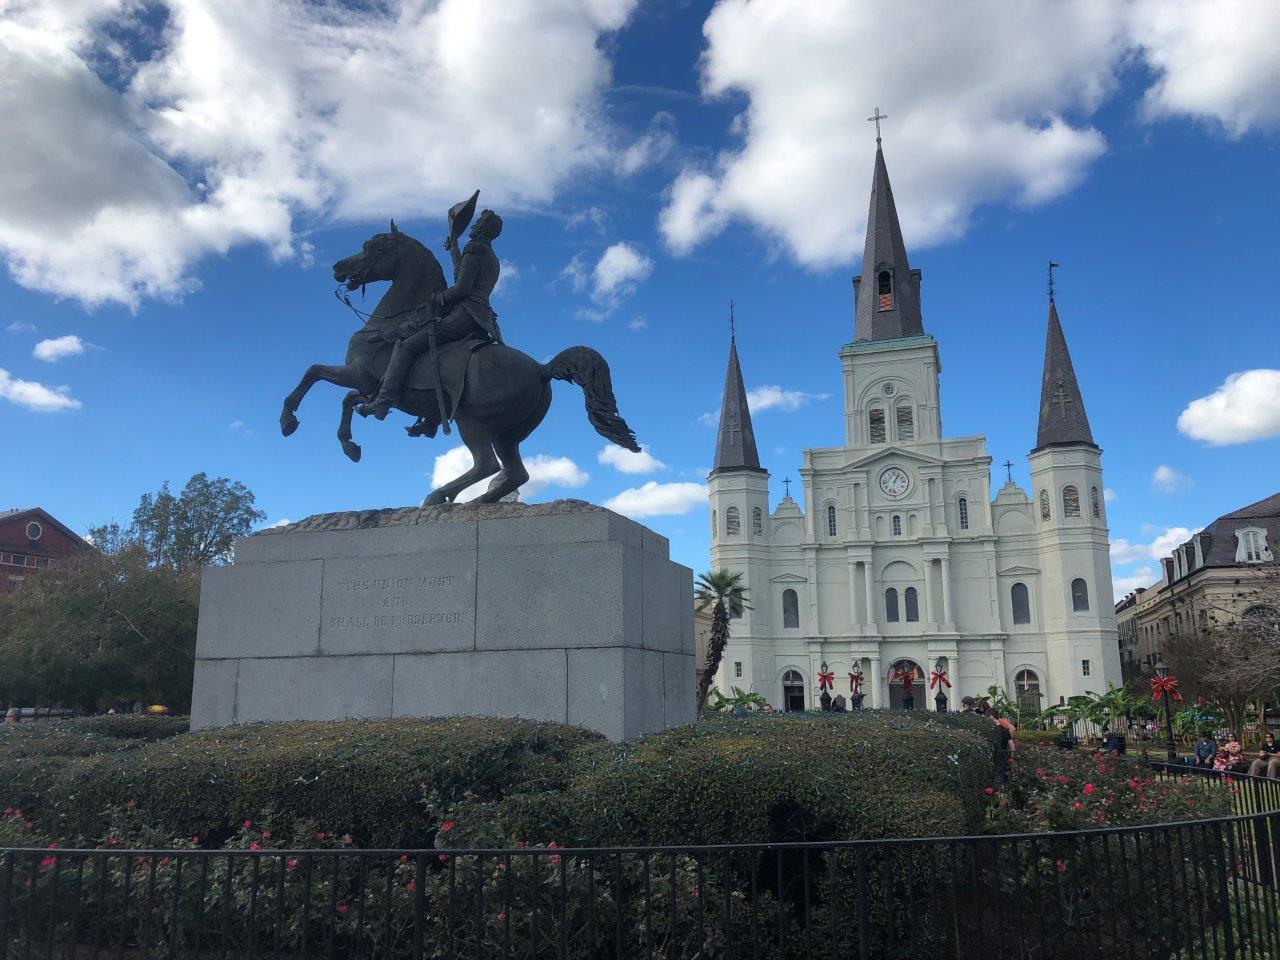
(429, 260)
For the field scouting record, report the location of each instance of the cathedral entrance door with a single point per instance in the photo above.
(792, 691)
(906, 686)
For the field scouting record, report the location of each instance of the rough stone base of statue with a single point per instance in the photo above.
(557, 611)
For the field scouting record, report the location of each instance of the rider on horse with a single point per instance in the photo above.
(475, 274)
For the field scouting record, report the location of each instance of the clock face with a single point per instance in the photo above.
(894, 482)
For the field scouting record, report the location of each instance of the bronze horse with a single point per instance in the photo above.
(505, 393)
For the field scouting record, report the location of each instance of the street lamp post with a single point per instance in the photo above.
(1162, 671)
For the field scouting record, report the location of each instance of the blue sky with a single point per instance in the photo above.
(180, 232)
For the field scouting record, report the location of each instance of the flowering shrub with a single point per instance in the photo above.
(1051, 790)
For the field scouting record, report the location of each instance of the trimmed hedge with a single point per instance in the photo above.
(382, 781)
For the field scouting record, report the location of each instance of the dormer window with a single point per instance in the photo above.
(884, 289)
(1251, 545)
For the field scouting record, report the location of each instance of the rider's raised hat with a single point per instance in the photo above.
(460, 215)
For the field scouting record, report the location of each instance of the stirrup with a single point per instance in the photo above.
(378, 408)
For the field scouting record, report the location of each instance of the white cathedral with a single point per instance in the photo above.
(898, 561)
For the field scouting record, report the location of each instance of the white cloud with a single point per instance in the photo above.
(987, 102)
(544, 471)
(245, 116)
(627, 462)
(658, 499)
(35, 396)
(637, 324)
(1165, 479)
(1213, 60)
(283, 522)
(620, 269)
(651, 148)
(1109, 495)
(236, 425)
(768, 397)
(977, 94)
(1246, 407)
(21, 326)
(1161, 545)
(1142, 577)
(50, 351)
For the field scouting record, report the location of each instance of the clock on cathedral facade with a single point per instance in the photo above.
(897, 560)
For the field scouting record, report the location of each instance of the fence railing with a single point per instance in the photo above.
(1197, 889)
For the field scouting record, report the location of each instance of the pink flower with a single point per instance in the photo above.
(447, 826)
(411, 886)
(1062, 867)
(1039, 771)
(502, 917)
(131, 804)
(319, 836)
(292, 863)
(195, 840)
(346, 838)
(343, 907)
(1088, 788)
(443, 858)
(404, 858)
(266, 834)
(1078, 805)
(247, 824)
(48, 862)
(255, 845)
(989, 790)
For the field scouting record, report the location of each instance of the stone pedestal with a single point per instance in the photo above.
(561, 611)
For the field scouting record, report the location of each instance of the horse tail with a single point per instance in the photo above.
(586, 368)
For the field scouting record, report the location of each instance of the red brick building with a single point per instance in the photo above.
(30, 539)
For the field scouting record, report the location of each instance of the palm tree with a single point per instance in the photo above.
(724, 593)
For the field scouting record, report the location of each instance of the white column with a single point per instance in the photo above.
(872, 619)
(876, 679)
(954, 694)
(946, 595)
(930, 621)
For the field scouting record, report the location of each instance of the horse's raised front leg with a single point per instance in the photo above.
(486, 465)
(352, 450)
(342, 376)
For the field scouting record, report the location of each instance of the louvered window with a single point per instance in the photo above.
(906, 424)
(1097, 508)
(877, 426)
(1070, 502)
(884, 289)
(757, 522)
(732, 522)
(963, 506)
(1044, 504)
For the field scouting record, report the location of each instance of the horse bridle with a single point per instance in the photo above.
(366, 267)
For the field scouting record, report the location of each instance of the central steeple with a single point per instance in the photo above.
(888, 291)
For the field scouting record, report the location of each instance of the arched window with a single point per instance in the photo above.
(831, 519)
(1044, 504)
(1070, 502)
(962, 505)
(790, 609)
(757, 522)
(906, 425)
(897, 525)
(891, 605)
(1021, 603)
(1262, 614)
(732, 522)
(876, 423)
(1079, 595)
(1027, 686)
(884, 289)
(912, 602)
(714, 532)
(1093, 499)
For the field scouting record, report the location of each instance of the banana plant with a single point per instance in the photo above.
(722, 704)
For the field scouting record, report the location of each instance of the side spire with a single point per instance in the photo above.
(1062, 416)
(888, 291)
(735, 440)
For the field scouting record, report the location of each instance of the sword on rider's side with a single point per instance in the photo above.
(437, 384)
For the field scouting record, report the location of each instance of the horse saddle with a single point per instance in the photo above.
(454, 358)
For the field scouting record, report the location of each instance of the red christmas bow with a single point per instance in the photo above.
(855, 681)
(827, 680)
(939, 676)
(1162, 685)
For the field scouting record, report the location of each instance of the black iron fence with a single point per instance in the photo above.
(1197, 889)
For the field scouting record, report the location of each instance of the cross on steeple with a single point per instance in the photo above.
(1062, 398)
(876, 118)
(1008, 469)
(1052, 266)
(733, 327)
(787, 483)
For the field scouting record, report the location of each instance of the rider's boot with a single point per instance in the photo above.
(392, 381)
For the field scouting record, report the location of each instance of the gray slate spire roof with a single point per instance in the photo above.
(889, 309)
(1062, 416)
(736, 440)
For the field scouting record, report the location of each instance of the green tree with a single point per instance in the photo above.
(100, 629)
(723, 593)
(194, 529)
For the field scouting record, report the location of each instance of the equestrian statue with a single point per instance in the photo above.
(436, 352)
